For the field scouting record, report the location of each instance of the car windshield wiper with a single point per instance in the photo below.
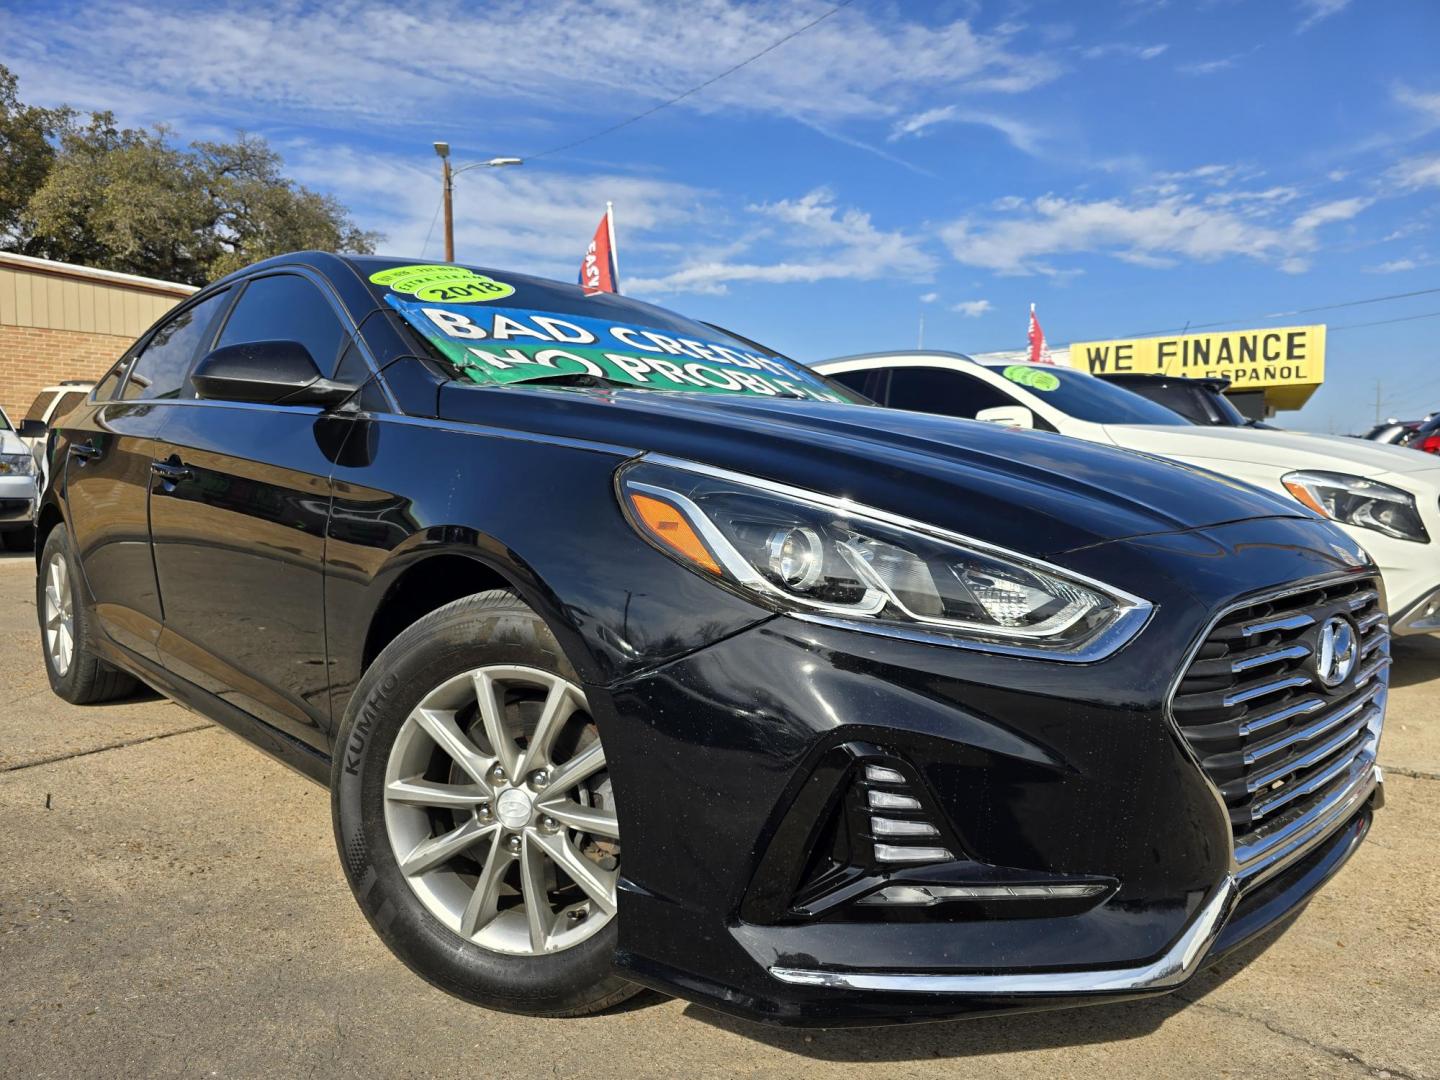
(579, 378)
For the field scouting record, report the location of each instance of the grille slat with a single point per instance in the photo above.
(1282, 749)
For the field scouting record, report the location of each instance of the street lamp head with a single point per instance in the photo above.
(496, 163)
(443, 149)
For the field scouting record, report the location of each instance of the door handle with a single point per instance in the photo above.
(84, 451)
(171, 471)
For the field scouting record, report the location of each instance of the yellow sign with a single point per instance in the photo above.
(1288, 362)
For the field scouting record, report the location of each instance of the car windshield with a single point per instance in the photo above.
(1085, 397)
(498, 329)
(1195, 401)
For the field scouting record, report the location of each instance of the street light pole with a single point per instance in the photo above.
(448, 176)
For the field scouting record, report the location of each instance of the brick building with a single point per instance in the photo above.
(59, 321)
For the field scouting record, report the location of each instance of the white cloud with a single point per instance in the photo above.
(1326, 213)
(929, 297)
(1426, 103)
(1120, 48)
(1146, 229)
(1316, 10)
(1209, 67)
(1417, 172)
(972, 309)
(360, 62)
(1394, 266)
(814, 240)
(1024, 137)
(536, 222)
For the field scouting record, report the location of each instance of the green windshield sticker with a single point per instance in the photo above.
(446, 284)
(502, 345)
(1033, 377)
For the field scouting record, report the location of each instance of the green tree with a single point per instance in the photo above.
(26, 152)
(131, 200)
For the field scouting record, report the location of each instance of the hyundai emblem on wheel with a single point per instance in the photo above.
(635, 653)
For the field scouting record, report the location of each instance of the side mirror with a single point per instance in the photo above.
(32, 429)
(266, 373)
(1017, 416)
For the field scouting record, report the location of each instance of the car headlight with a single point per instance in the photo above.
(1353, 500)
(831, 560)
(17, 465)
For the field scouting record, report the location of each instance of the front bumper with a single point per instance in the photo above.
(723, 762)
(17, 502)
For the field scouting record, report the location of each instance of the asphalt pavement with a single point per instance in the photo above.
(171, 905)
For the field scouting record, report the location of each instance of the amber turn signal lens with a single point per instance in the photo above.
(669, 526)
(1301, 492)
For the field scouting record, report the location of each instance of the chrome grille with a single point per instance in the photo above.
(1290, 757)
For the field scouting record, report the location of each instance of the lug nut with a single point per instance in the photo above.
(539, 778)
(549, 824)
(497, 774)
(513, 845)
(483, 811)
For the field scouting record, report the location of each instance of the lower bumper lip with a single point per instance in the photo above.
(1176, 965)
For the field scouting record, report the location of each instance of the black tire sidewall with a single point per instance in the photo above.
(490, 628)
(70, 685)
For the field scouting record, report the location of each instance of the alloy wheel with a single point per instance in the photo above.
(499, 810)
(59, 615)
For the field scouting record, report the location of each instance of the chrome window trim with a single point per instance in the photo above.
(1169, 970)
(1134, 612)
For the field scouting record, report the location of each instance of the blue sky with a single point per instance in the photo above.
(1129, 167)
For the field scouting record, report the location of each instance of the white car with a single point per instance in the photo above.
(1386, 497)
(17, 489)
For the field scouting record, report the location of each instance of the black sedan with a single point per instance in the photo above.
(634, 653)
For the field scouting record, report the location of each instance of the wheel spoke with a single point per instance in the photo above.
(560, 705)
(597, 884)
(431, 852)
(492, 715)
(483, 905)
(440, 725)
(419, 792)
(52, 599)
(585, 818)
(534, 887)
(582, 766)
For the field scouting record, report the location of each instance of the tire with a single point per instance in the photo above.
(19, 539)
(76, 674)
(550, 958)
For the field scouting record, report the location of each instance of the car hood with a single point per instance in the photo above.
(1284, 450)
(1026, 490)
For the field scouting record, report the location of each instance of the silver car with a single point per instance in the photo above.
(17, 489)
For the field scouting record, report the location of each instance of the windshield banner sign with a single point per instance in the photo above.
(500, 345)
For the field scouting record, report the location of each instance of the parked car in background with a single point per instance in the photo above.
(1385, 497)
(632, 652)
(1425, 437)
(1201, 401)
(17, 489)
(50, 404)
(1399, 432)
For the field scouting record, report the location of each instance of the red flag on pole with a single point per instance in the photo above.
(600, 269)
(1039, 353)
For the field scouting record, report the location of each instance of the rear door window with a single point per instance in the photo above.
(160, 370)
(66, 405)
(40, 404)
(287, 307)
(938, 390)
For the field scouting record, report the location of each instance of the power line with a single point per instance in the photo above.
(428, 232)
(1296, 311)
(693, 90)
(1385, 322)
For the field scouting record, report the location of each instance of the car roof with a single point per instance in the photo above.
(899, 354)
